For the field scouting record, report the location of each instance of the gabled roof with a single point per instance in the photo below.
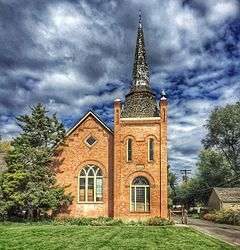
(228, 194)
(90, 113)
(3, 164)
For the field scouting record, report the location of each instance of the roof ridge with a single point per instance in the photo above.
(84, 118)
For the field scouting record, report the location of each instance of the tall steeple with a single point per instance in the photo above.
(140, 72)
(141, 101)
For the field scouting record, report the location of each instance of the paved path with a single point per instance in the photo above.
(224, 232)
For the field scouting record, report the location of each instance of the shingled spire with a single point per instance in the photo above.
(141, 101)
(140, 72)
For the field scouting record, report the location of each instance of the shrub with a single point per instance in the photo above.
(228, 216)
(158, 221)
(195, 216)
(231, 217)
(209, 217)
(135, 223)
(84, 221)
(99, 221)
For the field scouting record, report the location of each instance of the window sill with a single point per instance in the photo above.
(90, 202)
(153, 161)
(136, 212)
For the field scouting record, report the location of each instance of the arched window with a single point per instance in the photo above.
(140, 195)
(90, 184)
(151, 149)
(129, 149)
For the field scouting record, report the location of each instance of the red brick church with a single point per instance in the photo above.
(120, 173)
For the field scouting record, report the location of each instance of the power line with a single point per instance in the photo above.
(233, 180)
(185, 173)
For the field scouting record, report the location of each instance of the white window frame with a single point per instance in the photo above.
(87, 144)
(133, 208)
(86, 177)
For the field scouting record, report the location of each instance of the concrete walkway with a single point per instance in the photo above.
(228, 233)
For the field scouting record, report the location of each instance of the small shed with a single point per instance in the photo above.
(3, 165)
(224, 198)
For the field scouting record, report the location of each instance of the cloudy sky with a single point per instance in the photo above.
(76, 55)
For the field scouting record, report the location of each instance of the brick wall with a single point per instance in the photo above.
(140, 130)
(75, 155)
(109, 153)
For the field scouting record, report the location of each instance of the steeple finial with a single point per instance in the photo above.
(140, 101)
(163, 95)
(140, 68)
(140, 18)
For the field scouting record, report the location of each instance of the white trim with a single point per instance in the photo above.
(135, 197)
(85, 116)
(141, 119)
(90, 202)
(86, 177)
(134, 207)
(131, 210)
(87, 144)
(145, 198)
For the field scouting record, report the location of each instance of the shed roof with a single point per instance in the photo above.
(228, 194)
(3, 165)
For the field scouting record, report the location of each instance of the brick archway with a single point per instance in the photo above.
(85, 163)
(135, 174)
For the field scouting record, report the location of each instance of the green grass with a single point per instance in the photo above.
(23, 236)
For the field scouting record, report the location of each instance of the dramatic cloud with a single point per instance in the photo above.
(77, 55)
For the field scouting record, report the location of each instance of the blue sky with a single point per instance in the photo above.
(77, 55)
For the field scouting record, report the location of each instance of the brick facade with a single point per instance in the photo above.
(75, 155)
(109, 154)
(139, 119)
(140, 130)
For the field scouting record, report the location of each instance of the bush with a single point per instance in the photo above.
(99, 221)
(158, 221)
(84, 221)
(134, 223)
(195, 216)
(209, 217)
(231, 217)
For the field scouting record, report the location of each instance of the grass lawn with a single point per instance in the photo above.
(22, 236)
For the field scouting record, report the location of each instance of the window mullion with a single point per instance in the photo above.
(145, 199)
(78, 188)
(135, 196)
(130, 198)
(94, 188)
(86, 189)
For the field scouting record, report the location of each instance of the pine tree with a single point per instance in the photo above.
(29, 185)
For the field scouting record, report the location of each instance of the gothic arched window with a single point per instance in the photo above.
(140, 195)
(151, 149)
(129, 149)
(90, 184)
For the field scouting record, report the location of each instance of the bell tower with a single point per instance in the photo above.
(140, 101)
(140, 145)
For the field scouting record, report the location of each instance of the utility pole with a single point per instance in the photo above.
(185, 173)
